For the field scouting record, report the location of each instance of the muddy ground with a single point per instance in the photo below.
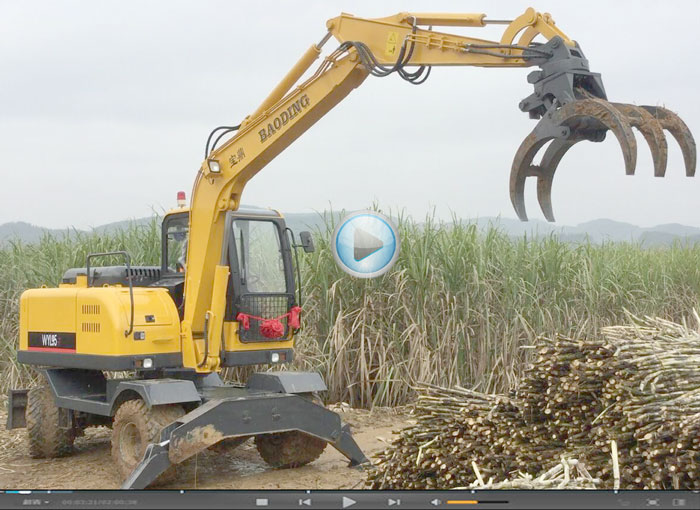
(90, 466)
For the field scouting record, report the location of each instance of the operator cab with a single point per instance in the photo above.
(258, 248)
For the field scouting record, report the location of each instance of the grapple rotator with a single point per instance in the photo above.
(572, 106)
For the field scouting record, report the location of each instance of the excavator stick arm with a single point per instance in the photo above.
(385, 37)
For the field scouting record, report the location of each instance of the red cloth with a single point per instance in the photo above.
(294, 317)
(272, 328)
(244, 320)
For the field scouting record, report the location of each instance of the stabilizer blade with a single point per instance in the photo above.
(675, 125)
(248, 413)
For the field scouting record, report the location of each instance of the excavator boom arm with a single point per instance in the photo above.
(569, 99)
(257, 142)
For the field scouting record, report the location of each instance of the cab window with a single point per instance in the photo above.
(176, 237)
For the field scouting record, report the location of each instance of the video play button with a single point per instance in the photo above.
(347, 502)
(365, 244)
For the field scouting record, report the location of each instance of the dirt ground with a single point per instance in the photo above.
(90, 466)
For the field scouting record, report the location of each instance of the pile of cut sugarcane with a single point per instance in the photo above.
(622, 411)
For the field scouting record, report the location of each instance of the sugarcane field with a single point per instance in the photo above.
(613, 401)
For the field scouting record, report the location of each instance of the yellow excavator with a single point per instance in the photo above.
(226, 293)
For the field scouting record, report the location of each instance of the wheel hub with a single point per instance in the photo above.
(130, 444)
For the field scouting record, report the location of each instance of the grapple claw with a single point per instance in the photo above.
(521, 169)
(579, 115)
(652, 131)
(548, 167)
(675, 125)
(585, 119)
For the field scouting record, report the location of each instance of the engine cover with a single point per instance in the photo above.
(85, 327)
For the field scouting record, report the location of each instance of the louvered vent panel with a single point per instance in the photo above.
(91, 309)
(91, 327)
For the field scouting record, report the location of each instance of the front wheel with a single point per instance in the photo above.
(135, 427)
(45, 436)
(290, 449)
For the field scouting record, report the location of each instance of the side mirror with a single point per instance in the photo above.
(307, 241)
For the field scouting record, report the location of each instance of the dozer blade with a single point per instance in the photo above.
(255, 414)
(590, 119)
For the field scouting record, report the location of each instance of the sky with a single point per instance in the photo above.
(105, 108)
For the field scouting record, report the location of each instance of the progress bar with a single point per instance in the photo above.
(474, 502)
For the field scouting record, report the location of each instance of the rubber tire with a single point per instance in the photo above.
(228, 445)
(45, 438)
(291, 449)
(135, 426)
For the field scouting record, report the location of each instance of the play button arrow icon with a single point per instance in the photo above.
(347, 502)
(365, 244)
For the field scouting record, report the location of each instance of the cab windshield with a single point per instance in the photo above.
(260, 258)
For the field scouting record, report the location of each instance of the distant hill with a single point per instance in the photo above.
(110, 227)
(311, 221)
(26, 232)
(596, 231)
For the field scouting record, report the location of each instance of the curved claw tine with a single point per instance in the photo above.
(548, 167)
(521, 169)
(674, 125)
(609, 116)
(652, 131)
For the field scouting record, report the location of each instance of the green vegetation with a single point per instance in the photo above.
(460, 306)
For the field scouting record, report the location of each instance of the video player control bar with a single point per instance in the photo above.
(356, 500)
